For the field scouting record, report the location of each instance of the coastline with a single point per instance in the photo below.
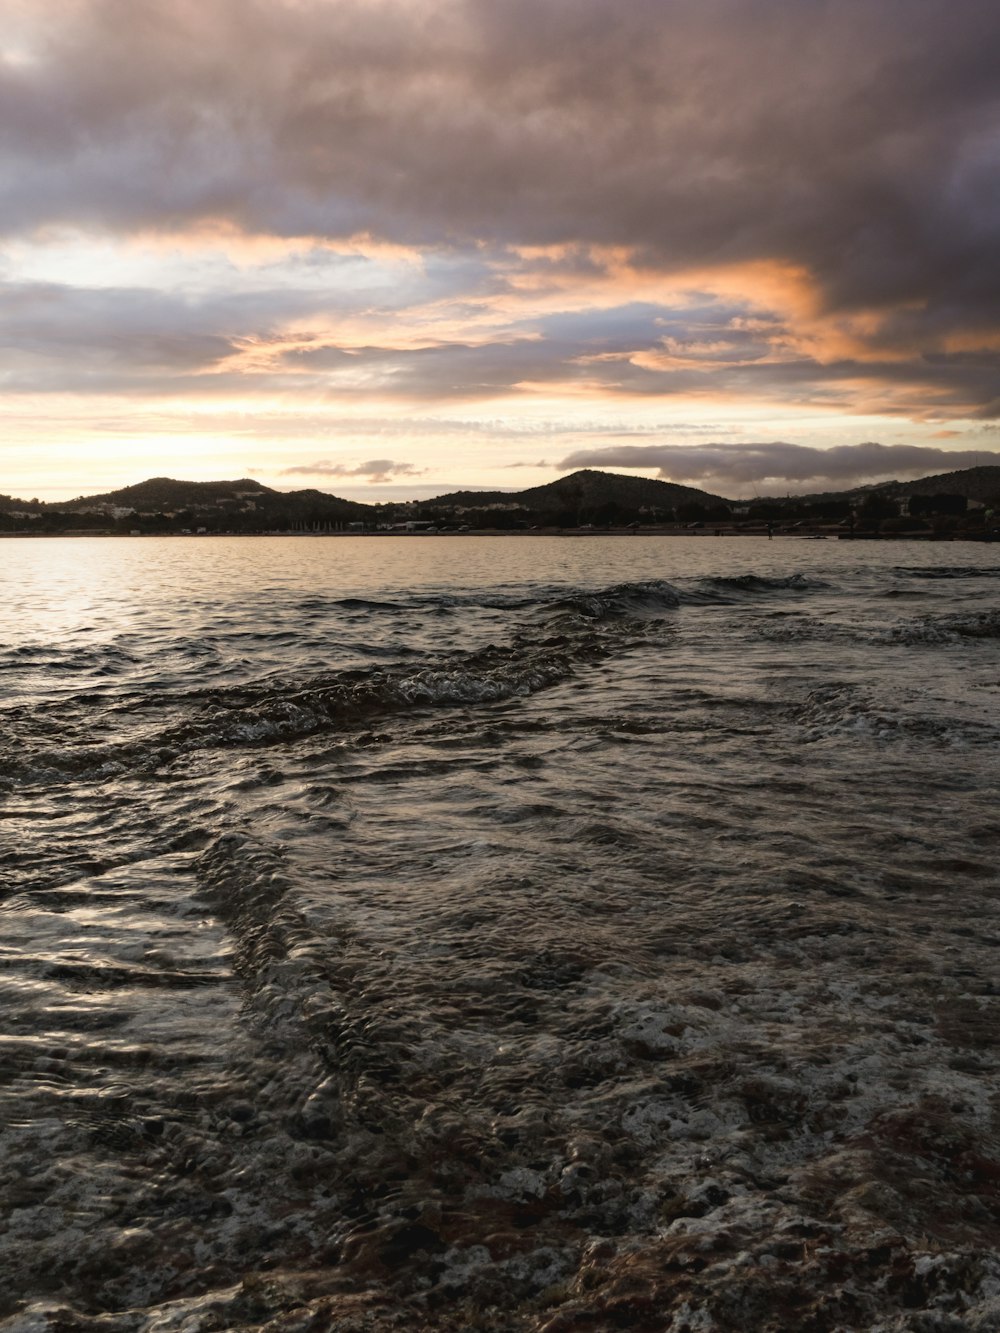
(664, 531)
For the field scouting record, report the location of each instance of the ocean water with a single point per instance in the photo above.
(528, 933)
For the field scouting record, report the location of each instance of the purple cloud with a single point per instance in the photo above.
(744, 464)
(376, 470)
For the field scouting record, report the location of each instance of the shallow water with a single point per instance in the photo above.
(499, 933)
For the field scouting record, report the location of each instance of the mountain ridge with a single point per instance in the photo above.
(584, 497)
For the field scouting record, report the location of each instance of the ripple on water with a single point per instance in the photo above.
(662, 989)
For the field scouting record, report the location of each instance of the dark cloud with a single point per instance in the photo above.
(743, 464)
(376, 470)
(62, 338)
(857, 139)
(86, 331)
(55, 337)
(856, 143)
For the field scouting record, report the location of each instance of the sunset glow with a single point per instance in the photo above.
(291, 238)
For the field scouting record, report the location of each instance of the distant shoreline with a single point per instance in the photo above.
(507, 533)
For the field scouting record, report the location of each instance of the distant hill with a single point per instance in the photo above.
(471, 499)
(586, 496)
(582, 498)
(975, 483)
(603, 487)
(165, 495)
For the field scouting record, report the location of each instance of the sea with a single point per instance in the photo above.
(526, 933)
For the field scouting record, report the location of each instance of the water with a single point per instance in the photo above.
(499, 933)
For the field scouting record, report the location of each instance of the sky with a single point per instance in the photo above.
(391, 248)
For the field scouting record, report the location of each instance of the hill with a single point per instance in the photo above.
(202, 499)
(590, 487)
(975, 483)
(161, 493)
(582, 497)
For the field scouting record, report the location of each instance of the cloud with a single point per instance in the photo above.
(856, 140)
(745, 464)
(547, 122)
(257, 340)
(808, 193)
(377, 470)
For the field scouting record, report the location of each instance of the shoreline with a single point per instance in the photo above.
(578, 533)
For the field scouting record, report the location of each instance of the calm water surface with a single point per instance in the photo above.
(499, 933)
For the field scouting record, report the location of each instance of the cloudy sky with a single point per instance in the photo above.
(396, 247)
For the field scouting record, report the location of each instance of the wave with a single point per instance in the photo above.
(946, 572)
(624, 599)
(102, 660)
(847, 711)
(758, 583)
(149, 730)
(640, 599)
(366, 604)
(945, 629)
(261, 716)
(284, 713)
(726, 590)
(554, 635)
